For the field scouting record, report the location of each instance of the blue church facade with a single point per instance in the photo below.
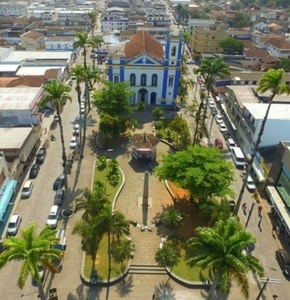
(152, 70)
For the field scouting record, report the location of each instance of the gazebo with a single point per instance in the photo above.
(144, 146)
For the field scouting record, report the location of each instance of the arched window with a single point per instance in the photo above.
(132, 79)
(143, 79)
(116, 78)
(170, 81)
(154, 80)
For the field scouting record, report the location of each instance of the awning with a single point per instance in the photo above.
(223, 107)
(5, 199)
(257, 171)
(279, 206)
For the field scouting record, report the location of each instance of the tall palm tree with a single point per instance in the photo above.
(122, 250)
(54, 94)
(32, 249)
(91, 202)
(186, 37)
(198, 118)
(171, 218)
(210, 69)
(97, 41)
(82, 40)
(92, 15)
(222, 250)
(79, 72)
(272, 80)
(167, 256)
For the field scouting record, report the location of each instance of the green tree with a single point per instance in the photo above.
(82, 41)
(232, 46)
(91, 202)
(112, 126)
(33, 249)
(93, 17)
(79, 72)
(210, 69)
(122, 250)
(186, 38)
(241, 20)
(201, 170)
(157, 113)
(215, 210)
(171, 218)
(272, 80)
(167, 256)
(283, 63)
(98, 41)
(113, 175)
(54, 94)
(222, 250)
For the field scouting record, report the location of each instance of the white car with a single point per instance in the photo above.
(13, 225)
(52, 218)
(211, 104)
(250, 184)
(83, 108)
(190, 62)
(231, 143)
(219, 119)
(223, 127)
(73, 142)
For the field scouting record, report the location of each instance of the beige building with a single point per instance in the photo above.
(206, 39)
(32, 41)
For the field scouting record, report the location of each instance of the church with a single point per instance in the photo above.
(151, 68)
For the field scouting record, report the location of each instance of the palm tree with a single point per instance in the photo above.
(79, 72)
(82, 40)
(186, 37)
(54, 94)
(198, 116)
(91, 202)
(98, 41)
(171, 218)
(215, 210)
(122, 250)
(222, 250)
(210, 69)
(183, 15)
(92, 15)
(32, 249)
(272, 80)
(167, 256)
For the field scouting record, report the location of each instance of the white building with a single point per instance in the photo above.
(13, 9)
(114, 24)
(60, 43)
(19, 105)
(153, 72)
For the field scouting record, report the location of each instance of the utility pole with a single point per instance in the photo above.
(267, 280)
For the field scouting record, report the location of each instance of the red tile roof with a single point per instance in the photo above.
(51, 73)
(143, 42)
(32, 35)
(277, 41)
(251, 50)
(32, 81)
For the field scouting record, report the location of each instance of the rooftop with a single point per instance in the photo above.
(13, 138)
(61, 38)
(278, 41)
(32, 81)
(277, 111)
(32, 35)
(17, 97)
(244, 94)
(35, 71)
(143, 42)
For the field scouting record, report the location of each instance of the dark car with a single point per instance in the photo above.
(59, 197)
(34, 171)
(283, 259)
(40, 157)
(58, 183)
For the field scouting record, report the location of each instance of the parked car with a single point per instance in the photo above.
(223, 127)
(210, 104)
(283, 259)
(40, 157)
(52, 218)
(230, 143)
(59, 182)
(59, 197)
(219, 119)
(34, 171)
(214, 111)
(251, 184)
(173, 107)
(27, 189)
(190, 62)
(83, 109)
(56, 118)
(73, 142)
(232, 205)
(13, 225)
(41, 272)
(202, 86)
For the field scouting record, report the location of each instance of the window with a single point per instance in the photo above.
(154, 80)
(283, 186)
(132, 79)
(116, 78)
(170, 81)
(173, 51)
(143, 79)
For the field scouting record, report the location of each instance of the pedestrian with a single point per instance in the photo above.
(153, 297)
(260, 210)
(244, 206)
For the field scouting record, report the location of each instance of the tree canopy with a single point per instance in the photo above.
(241, 20)
(283, 63)
(201, 170)
(232, 46)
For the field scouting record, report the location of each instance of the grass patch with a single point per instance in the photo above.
(102, 263)
(101, 174)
